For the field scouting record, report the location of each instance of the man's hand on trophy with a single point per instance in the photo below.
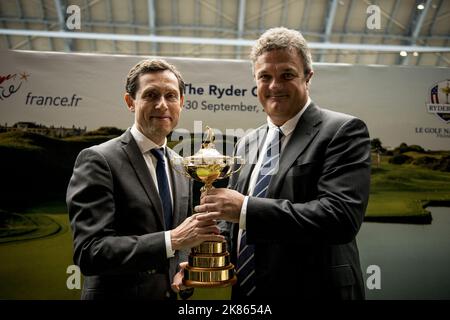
(177, 283)
(220, 204)
(193, 231)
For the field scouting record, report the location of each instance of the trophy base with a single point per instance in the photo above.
(209, 277)
(211, 284)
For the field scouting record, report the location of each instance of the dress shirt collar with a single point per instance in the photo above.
(288, 127)
(144, 143)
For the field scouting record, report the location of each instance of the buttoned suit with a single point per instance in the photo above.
(117, 221)
(304, 229)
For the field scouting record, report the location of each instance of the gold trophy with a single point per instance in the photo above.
(209, 263)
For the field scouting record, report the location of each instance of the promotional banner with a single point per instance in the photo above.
(53, 105)
(399, 104)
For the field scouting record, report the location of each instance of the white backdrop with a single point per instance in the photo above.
(63, 89)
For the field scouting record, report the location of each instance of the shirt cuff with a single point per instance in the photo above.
(243, 216)
(169, 252)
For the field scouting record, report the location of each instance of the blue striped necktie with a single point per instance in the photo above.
(163, 186)
(246, 255)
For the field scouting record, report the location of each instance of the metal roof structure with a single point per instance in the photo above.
(386, 32)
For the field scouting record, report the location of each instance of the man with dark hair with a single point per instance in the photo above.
(129, 211)
(295, 208)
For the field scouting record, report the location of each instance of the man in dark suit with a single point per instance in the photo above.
(298, 203)
(129, 211)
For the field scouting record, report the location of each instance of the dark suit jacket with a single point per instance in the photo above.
(304, 231)
(117, 222)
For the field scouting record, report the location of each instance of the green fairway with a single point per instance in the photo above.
(26, 227)
(36, 269)
(403, 190)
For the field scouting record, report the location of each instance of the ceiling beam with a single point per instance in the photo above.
(217, 9)
(441, 56)
(262, 15)
(305, 17)
(417, 28)
(213, 41)
(152, 24)
(132, 14)
(430, 29)
(363, 37)
(20, 10)
(175, 21)
(420, 21)
(44, 17)
(109, 13)
(197, 16)
(388, 26)
(241, 24)
(284, 14)
(330, 19)
(87, 8)
(231, 31)
(59, 14)
(8, 41)
(332, 8)
(346, 20)
(68, 43)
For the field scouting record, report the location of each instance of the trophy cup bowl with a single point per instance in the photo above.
(209, 263)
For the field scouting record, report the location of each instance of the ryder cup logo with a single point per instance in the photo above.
(438, 100)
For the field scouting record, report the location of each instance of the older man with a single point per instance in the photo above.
(297, 207)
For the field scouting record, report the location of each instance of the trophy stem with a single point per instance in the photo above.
(206, 188)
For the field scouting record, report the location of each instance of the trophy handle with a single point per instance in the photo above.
(233, 171)
(176, 166)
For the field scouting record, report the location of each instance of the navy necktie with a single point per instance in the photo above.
(163, 186)
(246, 255)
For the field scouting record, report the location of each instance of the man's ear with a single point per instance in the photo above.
(309, 76)
(129, 101)
(182, 101)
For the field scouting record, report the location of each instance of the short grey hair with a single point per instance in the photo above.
(283, 38)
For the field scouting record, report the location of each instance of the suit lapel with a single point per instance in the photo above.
(140, 167)
(306, 129)
(250, 152)
(180, 189)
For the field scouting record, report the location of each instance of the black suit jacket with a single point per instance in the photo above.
(304, 230)
(117, 222)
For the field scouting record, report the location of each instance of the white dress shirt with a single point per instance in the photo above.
(287, 128)
(145, 145)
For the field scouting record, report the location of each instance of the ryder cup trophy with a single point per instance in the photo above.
(209, 263)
